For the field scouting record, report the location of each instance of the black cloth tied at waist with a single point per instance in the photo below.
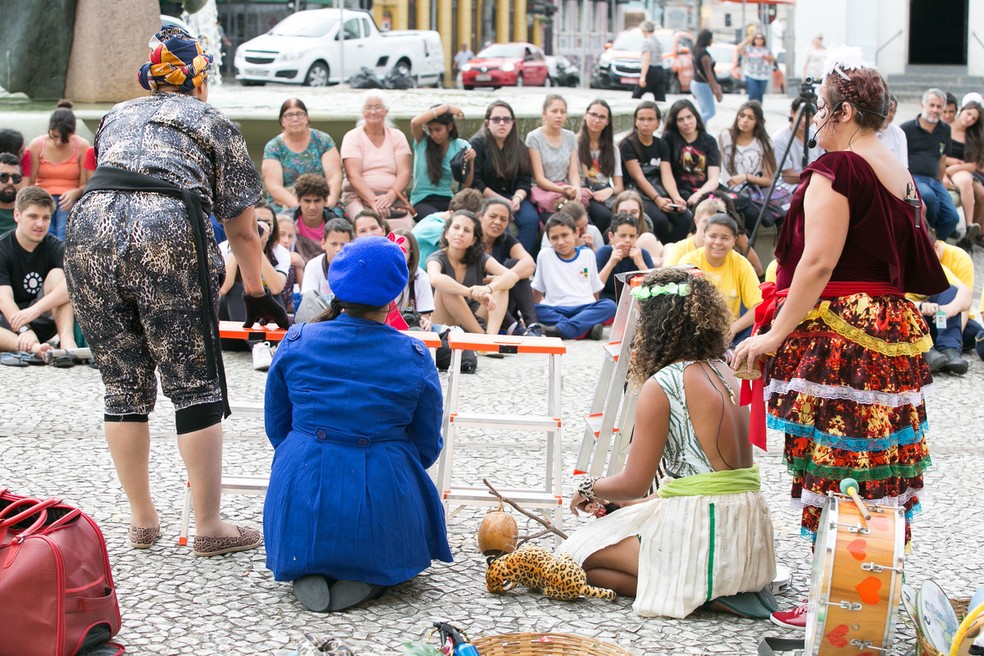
(109, 178)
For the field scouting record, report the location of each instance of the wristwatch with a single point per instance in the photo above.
(23, 329)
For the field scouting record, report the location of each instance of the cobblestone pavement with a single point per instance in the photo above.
(51, 445)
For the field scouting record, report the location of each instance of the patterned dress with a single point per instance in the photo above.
(130, 258)
(297, 164)
(847, 386)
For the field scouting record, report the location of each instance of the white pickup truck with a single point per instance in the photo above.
(311, 48)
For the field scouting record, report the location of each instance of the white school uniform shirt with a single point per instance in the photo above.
(422, 291)
(315, 278)
(567, 283)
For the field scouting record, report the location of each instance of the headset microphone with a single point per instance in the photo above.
(812, 143)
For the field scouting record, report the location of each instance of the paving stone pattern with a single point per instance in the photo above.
(172, 602)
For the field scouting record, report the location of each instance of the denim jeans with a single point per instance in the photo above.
(528, 224)
(705, 99)
(756, 88)
(940, 212)
(59, 218)
(951, 336)
(575, 321)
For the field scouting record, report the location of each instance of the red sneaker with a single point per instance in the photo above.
(791, 619)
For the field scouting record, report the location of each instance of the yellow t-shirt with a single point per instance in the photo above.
(673, 252)
(735, 279)
(958, 261)
(770, 271)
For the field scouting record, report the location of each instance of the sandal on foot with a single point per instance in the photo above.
(216, 545)
(313, 591)
(143, 538)
(32, 358)
(12, 360)
(64, 361)
(345, 594)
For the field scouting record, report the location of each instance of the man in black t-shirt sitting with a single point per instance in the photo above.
(928, 141)
(34, 305)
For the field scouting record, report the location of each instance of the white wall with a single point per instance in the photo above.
(975, 52)
(893, 16)
(828, 17)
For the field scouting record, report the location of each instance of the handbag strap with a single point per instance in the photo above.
(37, 507)
(769, 646)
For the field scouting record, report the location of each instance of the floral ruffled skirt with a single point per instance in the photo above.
(848, 389)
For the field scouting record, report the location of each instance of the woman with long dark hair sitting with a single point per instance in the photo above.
(601, 164)
(502, 169)
(644, 153)
(435, 143)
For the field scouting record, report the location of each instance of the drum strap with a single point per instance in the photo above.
(769, 646)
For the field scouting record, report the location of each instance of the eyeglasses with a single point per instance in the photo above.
(598, 117)
(293, 116)
(506, 120)
(7, 177)
(369, 109)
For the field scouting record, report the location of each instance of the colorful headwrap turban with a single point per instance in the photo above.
(178, 60)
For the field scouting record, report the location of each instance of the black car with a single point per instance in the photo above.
(562, 72)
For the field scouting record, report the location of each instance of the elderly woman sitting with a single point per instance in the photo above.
(297, 150)
(377, 162)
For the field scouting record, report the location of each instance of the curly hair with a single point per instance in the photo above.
(674, 328)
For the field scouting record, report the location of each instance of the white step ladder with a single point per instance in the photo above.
(550, 495)
(611, 416)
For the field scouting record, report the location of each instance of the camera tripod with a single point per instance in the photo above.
(805, 113)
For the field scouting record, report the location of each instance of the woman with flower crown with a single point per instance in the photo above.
(843, 358)
(706, 533)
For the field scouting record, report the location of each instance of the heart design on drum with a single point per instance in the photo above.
(879, 523)
(858, 549)
(838, 636)
(868, 590)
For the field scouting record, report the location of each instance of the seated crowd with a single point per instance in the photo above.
(510, 234)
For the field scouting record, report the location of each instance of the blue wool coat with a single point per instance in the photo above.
(353, 409)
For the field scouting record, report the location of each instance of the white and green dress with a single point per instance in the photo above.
(708, 534)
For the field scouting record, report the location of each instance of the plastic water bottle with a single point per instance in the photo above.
(297, 296)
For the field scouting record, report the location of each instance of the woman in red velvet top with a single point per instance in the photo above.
(844, 368)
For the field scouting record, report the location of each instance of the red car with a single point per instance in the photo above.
(506, 65)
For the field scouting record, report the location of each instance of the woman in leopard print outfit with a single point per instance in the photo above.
(143, 273)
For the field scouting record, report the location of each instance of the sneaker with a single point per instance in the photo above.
(262, 356)
(954, 363)
(791, 619)
(597, 331)
(935, 360)
(534, 330)
(550, 331)
(516, 329)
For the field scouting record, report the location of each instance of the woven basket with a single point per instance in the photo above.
(545, 644)
(923, 648)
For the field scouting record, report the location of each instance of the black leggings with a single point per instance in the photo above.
(669, 227)
(520, 300)
(600, 215)
(430, 205)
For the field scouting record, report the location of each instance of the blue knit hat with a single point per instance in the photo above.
(370, 270)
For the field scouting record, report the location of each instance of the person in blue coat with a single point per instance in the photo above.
(353, 410)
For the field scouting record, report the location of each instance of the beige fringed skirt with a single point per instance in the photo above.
(691, 549)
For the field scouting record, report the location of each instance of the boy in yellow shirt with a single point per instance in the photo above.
(731, 273)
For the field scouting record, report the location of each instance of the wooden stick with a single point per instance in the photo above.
(78, 353)
(550, 528)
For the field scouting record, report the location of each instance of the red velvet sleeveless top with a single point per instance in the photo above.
(883, 243)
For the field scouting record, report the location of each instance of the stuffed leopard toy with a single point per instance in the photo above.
(559, 577)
